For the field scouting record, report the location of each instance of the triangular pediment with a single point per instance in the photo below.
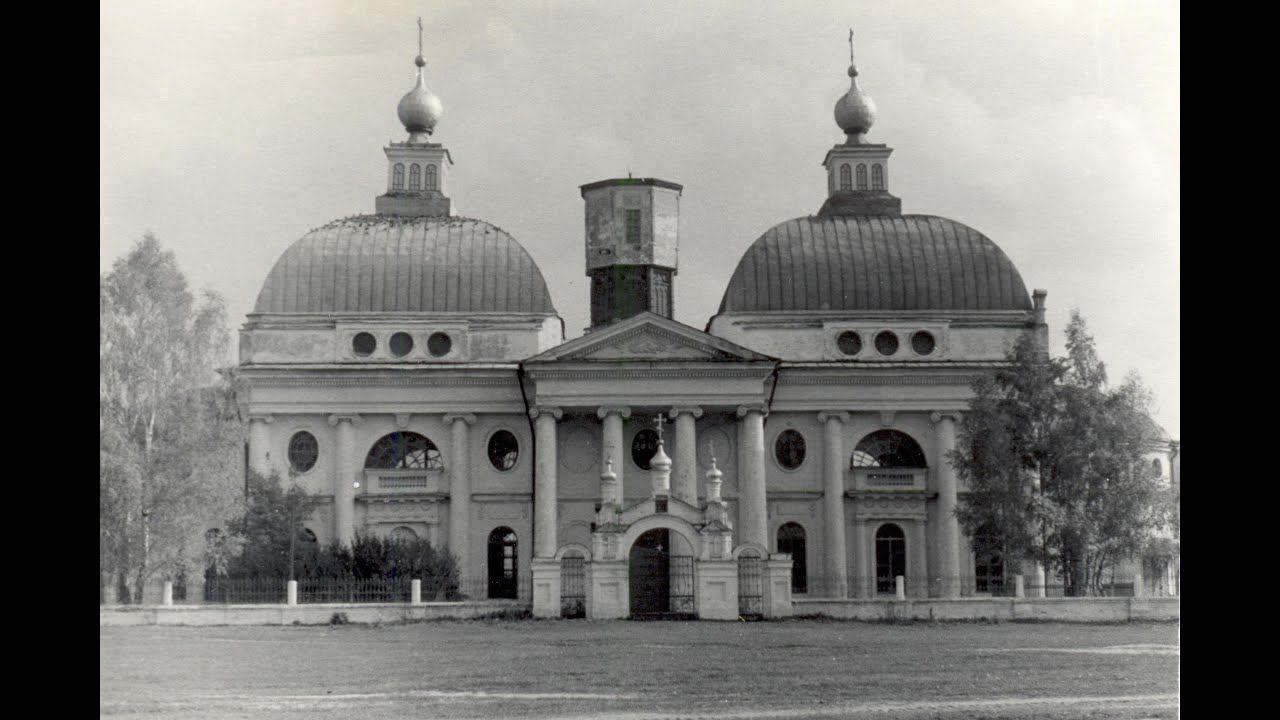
(649, 338)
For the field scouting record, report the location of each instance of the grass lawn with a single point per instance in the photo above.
(635, 670)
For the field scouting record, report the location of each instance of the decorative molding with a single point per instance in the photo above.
(752, 407)
(693, 410)
(402, 509)
(965, 380)
(490, 512)
(623, 372)
(353, 418)
(267, 418)
(402, 420)
(886, 417)
(621, 410)
(555, 412)
(420, 380)
(937, 417)
(451, 418)
(826, 415)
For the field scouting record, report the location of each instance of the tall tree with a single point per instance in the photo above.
(1054, 459)
(269, 529)
(169, 430)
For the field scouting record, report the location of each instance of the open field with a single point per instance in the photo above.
(634, 670)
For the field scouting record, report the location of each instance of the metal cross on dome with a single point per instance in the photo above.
(659, 422)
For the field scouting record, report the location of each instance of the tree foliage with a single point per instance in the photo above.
(1055, 463)
(170, 435)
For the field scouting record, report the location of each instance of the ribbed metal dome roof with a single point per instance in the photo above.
(909, 262)
(385, 263)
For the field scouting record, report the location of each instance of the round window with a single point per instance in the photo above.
(401, 344)
(303, 451)
(363, 344)
(849, 342)
(439, 344)
(923, 343)
(789, 449)
(887, 343)
(644, 447)
(504, 450)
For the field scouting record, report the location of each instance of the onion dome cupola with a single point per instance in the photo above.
(417, 169)
(857, 170)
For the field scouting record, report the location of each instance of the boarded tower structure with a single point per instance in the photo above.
(631, 243)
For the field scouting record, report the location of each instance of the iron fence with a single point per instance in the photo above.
(750, 586)
(573, 587)
(354, 590)
(245, 591)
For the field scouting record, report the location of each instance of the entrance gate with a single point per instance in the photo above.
(661, 583)
(750, 586)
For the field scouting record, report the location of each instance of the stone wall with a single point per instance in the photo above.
(318, 614)
(1048, 609)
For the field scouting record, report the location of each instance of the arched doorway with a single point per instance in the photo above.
(791, 540)
(891, 557)
(503, 563)
(660, 577)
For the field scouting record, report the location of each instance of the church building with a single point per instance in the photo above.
(410, 367)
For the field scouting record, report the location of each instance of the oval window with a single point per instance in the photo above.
(401, 344)
(504, 450)
(789, 449)
(849, 342)
(923, 343)
(439, 344)
(303, 451)
(887, 343)
(644, 447)
(363, 344)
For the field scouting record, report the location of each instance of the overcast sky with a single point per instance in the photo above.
(230, 129)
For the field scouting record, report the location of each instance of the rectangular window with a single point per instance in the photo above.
(633, 227)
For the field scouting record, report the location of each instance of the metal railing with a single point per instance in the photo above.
(573, 587)
(354, 590)
(245, 591)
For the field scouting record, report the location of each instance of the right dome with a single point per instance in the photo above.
(874, 262)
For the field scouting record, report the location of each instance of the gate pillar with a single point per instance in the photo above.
(717, 595)
(546, 587)
(608, 590)
(777, 586)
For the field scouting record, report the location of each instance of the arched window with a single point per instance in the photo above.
(397, 177)
(846, 181)
(402, 450)
(415, 177)
(504, 563)
(433, 183)
(404, 534)
(988, 561)
(791, 540)
(862, 176)
(888, 449)
(891, 557)
(877, 177)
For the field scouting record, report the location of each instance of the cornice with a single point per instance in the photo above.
(620, 370)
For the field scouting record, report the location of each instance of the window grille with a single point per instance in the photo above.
(397, 177)
(846, 180)
(877, 177)
(862, 177)
(415, 177)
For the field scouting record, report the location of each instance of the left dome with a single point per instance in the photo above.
(381, 263)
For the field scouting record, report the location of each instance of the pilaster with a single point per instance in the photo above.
(460, 489)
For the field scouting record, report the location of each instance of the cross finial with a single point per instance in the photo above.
(659, 421)
(420, 36)
(711, 452)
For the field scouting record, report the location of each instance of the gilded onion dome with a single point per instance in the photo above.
(855, 110)
(419, 110)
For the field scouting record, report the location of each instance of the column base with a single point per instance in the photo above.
(717, 594)
(546, 587)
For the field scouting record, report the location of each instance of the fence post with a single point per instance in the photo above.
(1019, 590)
(900, 587)
(291, 597)
(415, 591)
(1137, 584)
(166, 594)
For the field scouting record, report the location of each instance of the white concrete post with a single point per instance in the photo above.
(291, 593)
(900, 587)
(166, 593)
(260, 443)
(460, 489)
(835, 564)
(544, 540)
(685, 482)
(415, 591)
(948, 532)
(1019, 590)
(753, 513)
(1138, 589)
(344, 477)
(611, 447)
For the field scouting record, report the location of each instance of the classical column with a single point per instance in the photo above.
(864, 565)
(259, 443)
(460, 489)
(545, 489)
(753, 514)
(344, 477)
(685, 482)
(611, 448)
(835, 564)
(948, 531)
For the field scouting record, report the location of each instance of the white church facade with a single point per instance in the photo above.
(409, 366)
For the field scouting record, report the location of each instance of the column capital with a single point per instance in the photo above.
(839, 415)
(604, 411)
(937, 416)
(554, 412)
(353, 418)
(693, 410)
(752, 407)
(451, 418)
(267, 418)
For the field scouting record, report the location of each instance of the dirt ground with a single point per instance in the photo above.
(640, 670)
